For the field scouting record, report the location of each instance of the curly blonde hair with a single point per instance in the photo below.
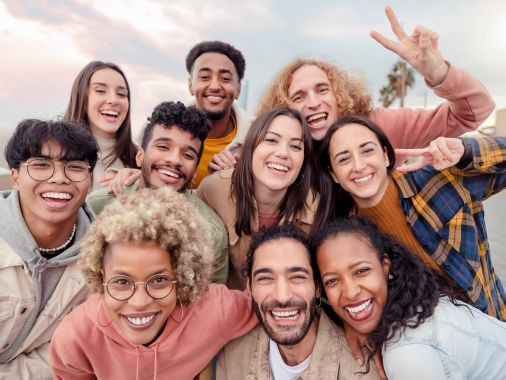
(163, 217)
(351, 94)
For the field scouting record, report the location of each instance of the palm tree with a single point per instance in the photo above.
(400, 79)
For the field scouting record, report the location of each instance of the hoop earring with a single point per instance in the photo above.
(182, 313)
(98, 314)
(318, 302)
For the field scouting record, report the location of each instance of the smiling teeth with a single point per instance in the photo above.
(359, 308)
(278, 167)
(317, 116)
(141, 321)
(168, 172)
(292, 314)
(57, 195)
(110, 113)
(363, 179)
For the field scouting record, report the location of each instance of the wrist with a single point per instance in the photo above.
(438, 75)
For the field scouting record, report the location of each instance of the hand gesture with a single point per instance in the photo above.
(419, 50)
(223, 160)
(441, 153)
(117, 180)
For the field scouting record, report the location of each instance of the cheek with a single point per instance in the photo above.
(112, 306)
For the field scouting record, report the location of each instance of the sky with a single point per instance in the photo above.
(44, 44)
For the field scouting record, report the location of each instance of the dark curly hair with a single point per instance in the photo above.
(76, 142)
(413, 291)
(282, 231)
(189, 119)
(217, 47)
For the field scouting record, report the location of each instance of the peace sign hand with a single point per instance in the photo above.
(441, 153)
(420, 49)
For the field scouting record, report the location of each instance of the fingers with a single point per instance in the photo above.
(212, 167)
(385, 42)
(379, 366)
(107, 177)
(418, 164)
(132, 178)
(394, 23)
(223, 160)
(412, 152)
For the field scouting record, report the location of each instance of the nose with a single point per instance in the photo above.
(140, 299)
(358, 163)
(282, 150)
(112, 97)
(351, 289)
(281, 291)
(173, 156)
(214, 83)
(313, 100)
(59, 174)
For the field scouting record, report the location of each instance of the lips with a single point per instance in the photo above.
(317, 120)
(214, 99)
(140, 321)
(363, 180)
(360, 311)
(278, 168)
(56, 200)
(285, 315)
(109, 115)
(170, 174)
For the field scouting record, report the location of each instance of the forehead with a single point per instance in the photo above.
(286, 126)
(136, 259)
(213, 62)
(350, 136)
(345, 249)
(108, 76)
(306, 77)
(177, 136)
(280, 255)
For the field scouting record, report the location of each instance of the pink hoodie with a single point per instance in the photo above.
(82, 349)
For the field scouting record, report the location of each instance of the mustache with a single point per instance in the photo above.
(267, 306)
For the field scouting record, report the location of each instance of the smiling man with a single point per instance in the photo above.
(216, 70)
(295, 340)
(44, 219)
(171, 148)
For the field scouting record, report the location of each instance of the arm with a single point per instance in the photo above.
(34, 365)
(117, 180)
(469, 103)
(237, 314)
(223, 160)
(414, 362)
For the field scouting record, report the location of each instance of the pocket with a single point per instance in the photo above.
(13, 315)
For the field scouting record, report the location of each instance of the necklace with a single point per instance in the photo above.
(63, 246)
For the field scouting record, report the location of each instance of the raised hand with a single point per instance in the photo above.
(223, 160)
(420, 49)
(117, 180)
(441, 153)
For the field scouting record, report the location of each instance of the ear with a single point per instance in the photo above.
(248, 287)
(386, 266)
(385, 157)
(15, 179)
(334, 177)
(139, 157)
(238, 91)
(190, 87)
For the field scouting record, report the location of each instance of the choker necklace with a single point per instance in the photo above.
(63, 246)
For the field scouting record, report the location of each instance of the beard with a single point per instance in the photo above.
(147, 183)
(216, 115)
(286, 335)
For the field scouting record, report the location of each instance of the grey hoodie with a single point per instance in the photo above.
(44, 273)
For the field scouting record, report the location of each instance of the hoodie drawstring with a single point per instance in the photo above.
(137, 365)
(156, 361)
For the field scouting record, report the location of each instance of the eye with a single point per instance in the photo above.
(100, 91)
(297, 98)
(343, 160)
(158, 282)
(40, 164)
(362, 271)
(189, 156)
(204, 77)
(323, 90)
(76, 166)
(368, 151)
(120, 282)
(298, 278)
(162, 147)
(226, 79)
(271, 140)
(264, 279)
(330, 282)
(296, 147)
(122, 94)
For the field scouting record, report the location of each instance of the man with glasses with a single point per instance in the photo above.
(44, 218)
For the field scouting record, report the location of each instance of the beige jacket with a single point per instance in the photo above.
(247, 357)
(215, 191)
(17, 300)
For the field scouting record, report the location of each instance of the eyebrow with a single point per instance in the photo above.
(360, 146)
(122, 273)
(277, 134)
(349, 267)
(319, 84)
(221, 71)
(290, 270)
(105, 85)
(168, 139)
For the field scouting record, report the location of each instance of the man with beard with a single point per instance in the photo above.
(170, 152)
(295, 340)
(216, 70)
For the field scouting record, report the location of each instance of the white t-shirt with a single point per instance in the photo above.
(281, 370)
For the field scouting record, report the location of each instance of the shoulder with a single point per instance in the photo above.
(218, 178)
(236, 356)
(98, 199)
(207, 212)
(76, 325)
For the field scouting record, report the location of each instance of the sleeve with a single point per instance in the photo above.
(415, 362)
(486, 173)
(468, 105)
(237, 314)
(66, 355)
(32, 366)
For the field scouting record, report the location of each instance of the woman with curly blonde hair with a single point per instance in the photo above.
(154, 313)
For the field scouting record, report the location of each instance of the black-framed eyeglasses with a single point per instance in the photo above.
(122, 288)
(42, 169)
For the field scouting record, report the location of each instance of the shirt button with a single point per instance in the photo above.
(447, 266)
(23, 310)
(470, 288)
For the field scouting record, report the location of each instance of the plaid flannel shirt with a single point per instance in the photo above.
(445, 212)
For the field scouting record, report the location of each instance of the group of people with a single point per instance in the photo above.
(294, 244)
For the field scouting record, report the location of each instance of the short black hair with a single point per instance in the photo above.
(217, 47)
(75, 141)
(282, 231)
(189, 119)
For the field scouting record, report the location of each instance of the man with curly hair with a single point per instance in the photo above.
(44, 220)
(171, 148)
(153, 314)
(216, 70)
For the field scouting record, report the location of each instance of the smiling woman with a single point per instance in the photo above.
(100, 100)
(154, 313)
(270, 185)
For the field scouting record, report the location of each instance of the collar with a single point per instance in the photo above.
(405, 184)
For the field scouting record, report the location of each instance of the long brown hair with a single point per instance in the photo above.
(124, 149)
(242, 189)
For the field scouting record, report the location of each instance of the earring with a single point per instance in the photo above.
(98, 314)
(318, 301)
(182, 313)
(390, 276)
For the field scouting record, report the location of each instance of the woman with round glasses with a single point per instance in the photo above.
(154, 313)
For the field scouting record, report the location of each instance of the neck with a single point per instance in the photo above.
(50, 235)
(221, 127)
(296, 354)
(268, 201)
